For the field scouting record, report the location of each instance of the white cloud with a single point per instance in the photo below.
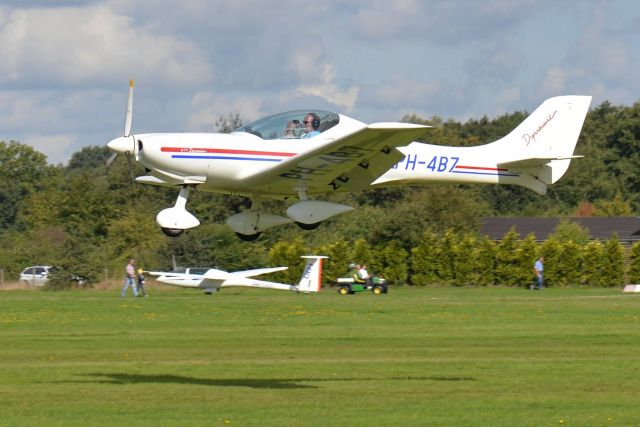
(58, 148)
(555, 80)
(74, 46)
(328, 90)
(209, 107)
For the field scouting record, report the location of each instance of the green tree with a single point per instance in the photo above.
(436, 208)
(133, 235)
(513, 263)
(229, 123)
(391, 262)
(465, 260)
(288, 254)
(446, 252)
(23, 171)
(554, 268)
(424, 261)
(633, 269)
(361, 252)
(571, 263)
(92, 158)
(614, 262)
(211, 245)
(485, 260)
(615, 207)
(339, 253)
(568, 230)
(594, 269)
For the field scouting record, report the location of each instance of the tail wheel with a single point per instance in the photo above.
(344, 290)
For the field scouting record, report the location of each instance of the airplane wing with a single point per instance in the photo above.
(257, 271)
(177, 279)
(164, 273)
(352, 161)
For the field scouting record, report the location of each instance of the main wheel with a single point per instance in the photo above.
(308, 226)
(344, 290)
(249, 237)
(172, 232)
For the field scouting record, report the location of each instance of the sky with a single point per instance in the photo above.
(65, 65)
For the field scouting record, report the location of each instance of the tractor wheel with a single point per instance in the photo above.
(344, 290)
(377, 290)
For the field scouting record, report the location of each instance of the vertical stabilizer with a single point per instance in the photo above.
(311, 279)
(549, 135)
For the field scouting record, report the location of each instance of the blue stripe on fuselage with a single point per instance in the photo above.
(486, 173)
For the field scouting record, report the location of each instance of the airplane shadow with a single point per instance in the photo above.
(266, 383)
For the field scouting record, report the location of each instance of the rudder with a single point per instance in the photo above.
(311, 279)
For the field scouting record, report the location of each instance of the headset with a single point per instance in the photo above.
(315, 123)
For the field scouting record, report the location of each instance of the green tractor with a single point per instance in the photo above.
(347, 285)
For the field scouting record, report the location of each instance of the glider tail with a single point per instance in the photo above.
(311, 279)
(543, 144)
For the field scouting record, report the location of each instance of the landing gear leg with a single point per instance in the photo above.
(173, 221)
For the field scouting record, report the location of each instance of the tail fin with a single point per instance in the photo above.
(311, 278)
(542, 145)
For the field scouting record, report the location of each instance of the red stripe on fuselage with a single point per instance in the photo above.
(225, 151)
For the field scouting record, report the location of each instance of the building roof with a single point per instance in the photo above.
(600, 228)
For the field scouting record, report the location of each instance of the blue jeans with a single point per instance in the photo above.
(128, 281)
(540, 281)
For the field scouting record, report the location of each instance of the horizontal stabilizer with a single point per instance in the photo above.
(534, 162)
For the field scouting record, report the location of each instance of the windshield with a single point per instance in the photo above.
(292, 124)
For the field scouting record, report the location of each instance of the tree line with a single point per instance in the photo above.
(85, 218)
(466, 259)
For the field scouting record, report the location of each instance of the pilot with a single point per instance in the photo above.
(311, 125)
(292, 130)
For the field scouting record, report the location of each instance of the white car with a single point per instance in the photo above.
(37, 275)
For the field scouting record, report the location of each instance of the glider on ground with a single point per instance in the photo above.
(212, 280)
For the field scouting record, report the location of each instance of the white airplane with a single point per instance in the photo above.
(212, 280)
(276, 157)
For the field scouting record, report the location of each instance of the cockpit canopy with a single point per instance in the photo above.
(289, 125)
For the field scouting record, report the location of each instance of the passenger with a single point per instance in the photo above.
(292, 130)
(311, 125)
(364, 274)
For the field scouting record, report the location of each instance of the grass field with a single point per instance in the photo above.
(444, 356)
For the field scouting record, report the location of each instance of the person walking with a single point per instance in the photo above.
(129, 279)
(140, 284)
(538, 268)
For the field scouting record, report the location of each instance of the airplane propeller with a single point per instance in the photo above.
(125, 144)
